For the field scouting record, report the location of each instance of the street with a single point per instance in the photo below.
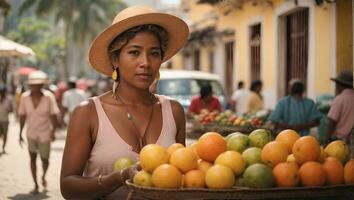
(15, 174)
(15, 177)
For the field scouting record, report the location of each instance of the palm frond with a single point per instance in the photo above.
(26, 5)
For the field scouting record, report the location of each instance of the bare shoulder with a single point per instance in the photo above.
(85, 107)
(84, 114)
(176, 107)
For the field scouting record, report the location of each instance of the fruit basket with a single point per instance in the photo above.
(339, 192)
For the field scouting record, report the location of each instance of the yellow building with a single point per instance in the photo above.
(270, 40)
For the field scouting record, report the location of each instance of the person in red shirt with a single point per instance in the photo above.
(206, 100)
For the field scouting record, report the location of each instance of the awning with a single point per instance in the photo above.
(25, 71)
(9, 48)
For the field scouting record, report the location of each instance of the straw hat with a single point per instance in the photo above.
(37, 78)
(128, 18)
(344, 78)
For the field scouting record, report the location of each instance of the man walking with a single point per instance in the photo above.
(341, 113)
(6, 106)
(38, 109)
(72, 98)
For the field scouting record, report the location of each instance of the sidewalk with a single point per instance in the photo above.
(15, 174)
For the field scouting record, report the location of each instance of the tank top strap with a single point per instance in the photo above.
(169, 129)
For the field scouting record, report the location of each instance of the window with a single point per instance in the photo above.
(255, 45)
(297, 46)
(197, 60)
(229, 61)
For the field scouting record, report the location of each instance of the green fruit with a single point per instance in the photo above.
(238, 143)
(231, 134)
(239, 182)
(258, 176)
(143, 178)
(122, 163)
(252, 155)
(260, 137)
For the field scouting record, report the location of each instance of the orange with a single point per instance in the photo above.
(210, 145)
(152, 156)
(312, 174)
(219, 176)
(204, 165)
(184, 159)
(233, 160)
(194, 179)
(349, 172)
(193, 147)
(167, 176)
(306, 149)
(288, 137)
(273, 153)
(334, 171)
(173, 147)
(286, 174)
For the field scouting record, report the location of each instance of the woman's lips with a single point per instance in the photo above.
(144, 76)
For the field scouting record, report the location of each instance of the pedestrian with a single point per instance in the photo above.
(254, 99)
(296, 111)
(239, 97)
(341, 114)
(205, 100)
(119, 123)
(71, 98)
(6, 107)
(38, 109)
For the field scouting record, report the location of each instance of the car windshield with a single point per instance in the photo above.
(186, 87)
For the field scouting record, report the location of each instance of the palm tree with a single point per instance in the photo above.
(82, 20)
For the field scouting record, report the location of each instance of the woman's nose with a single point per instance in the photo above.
(145, 60)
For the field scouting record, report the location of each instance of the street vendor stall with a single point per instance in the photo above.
(227, 122)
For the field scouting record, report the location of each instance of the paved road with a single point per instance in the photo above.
(15, 175)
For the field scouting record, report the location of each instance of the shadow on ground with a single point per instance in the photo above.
(29, 196)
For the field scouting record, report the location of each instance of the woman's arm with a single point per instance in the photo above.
(180, 120)
(79, 142)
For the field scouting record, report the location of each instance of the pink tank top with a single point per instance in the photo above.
(109, 146)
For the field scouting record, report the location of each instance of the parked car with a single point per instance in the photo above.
(184, 84)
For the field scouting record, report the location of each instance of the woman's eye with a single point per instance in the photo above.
(156, 53)
(135, 53)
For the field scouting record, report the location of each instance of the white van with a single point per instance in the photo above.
(184, 84)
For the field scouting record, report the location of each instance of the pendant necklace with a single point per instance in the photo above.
(131, 118)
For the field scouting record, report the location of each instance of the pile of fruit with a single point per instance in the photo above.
(254, 160)
(229, 119)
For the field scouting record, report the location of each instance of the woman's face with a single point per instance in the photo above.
(139, 60)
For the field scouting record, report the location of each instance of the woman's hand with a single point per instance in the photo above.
(129, 172)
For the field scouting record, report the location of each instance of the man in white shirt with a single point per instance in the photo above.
(72, 97)
(239, 97)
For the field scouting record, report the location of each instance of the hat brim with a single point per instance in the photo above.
(37, 82)
(176, 28)
(342, 82)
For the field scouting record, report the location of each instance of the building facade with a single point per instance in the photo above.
(270, 40)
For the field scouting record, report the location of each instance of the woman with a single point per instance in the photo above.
(120, 122)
